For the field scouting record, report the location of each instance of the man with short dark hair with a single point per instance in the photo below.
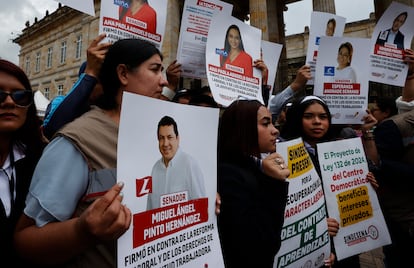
(393, 35)
(176, 176)
(394, 140)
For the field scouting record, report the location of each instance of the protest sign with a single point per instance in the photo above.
(322, 24)
(173, 210)
(353, 201)
(305, 238)
(232, 46)
(341, 77)
(195, 24)
(392, 34)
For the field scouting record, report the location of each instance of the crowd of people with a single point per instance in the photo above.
(62, 205)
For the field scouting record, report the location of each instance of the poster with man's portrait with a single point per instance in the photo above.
(167, 158)
(341, 79)
(392, 34)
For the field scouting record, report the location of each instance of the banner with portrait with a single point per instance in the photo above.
(195, 24)
(170, 184)
(322, 24)
(144, 19)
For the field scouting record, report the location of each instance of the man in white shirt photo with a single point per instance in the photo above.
(393, 36)
(176, 176)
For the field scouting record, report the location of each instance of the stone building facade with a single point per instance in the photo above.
(53, 48)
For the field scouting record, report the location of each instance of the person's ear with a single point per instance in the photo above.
(122, 73)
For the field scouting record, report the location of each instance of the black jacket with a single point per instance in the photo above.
(251, 215)
(24, 171)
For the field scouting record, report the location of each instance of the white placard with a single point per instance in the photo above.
(232, 78)
(195, 24)
(119, 20)
(353, 201)
(182, 233)
(305, 237)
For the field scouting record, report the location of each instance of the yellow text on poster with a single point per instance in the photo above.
(354, 206)
(299, 160)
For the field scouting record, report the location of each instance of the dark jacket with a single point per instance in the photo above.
(394, 139)
(398, 40)
(251, 215)
(23, 176)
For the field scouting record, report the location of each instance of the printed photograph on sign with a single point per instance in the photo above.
(322, 24)
(170, 184)
(270, 55)
(392, 34)
(305, 237)
(195, 24)
(344, 174)
(144, 19)
(232, 46)
(341, 77)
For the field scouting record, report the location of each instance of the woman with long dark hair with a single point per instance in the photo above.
(309, 118)
(252, 202)
(344, 73)
(234, 56)
(74, 212)
(21, 145)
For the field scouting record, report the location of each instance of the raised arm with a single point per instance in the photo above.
(302, 76)
(76, 102)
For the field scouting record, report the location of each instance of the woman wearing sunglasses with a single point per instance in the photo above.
(20, 148)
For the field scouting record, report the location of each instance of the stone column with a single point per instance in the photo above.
(324, 6)
(382, 5)
(259, 16)
(268, 16)
(172, 31)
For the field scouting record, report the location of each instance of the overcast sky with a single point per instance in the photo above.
(299, 13)
(15, 13)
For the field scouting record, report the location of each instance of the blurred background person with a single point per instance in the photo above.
(383, 107)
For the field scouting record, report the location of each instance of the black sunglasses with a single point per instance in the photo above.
(22, 98)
